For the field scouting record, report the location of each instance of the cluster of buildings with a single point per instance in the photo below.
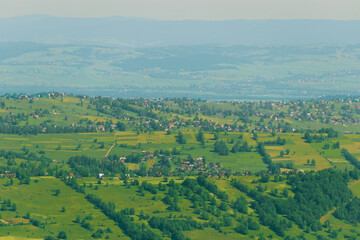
(8, 174)
(198, 165)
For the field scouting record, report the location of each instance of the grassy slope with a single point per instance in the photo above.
(38, 199)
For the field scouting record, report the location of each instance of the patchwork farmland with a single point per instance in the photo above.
(77, 167)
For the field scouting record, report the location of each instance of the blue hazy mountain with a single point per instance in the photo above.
(148, 32)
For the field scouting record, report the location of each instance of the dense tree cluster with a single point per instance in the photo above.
(211, 187)
(200, 137)
(72, 182)
(221, 148)
(311, 138)
(246, 224)
(180, 138)
(273, 168)
(350, 211)
(174, 227)
(351, 158)
(91, 167)
(278, 141)
(148, 187)
(43, 129)
(123, 220)
(241, 148)
(7, 205)
(203, 201)
(240, 205)
(34, 166)
(331, 133)
(316, 193)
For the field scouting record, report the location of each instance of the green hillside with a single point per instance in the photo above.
(78, 167)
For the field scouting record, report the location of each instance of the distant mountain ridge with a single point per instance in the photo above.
(139, 32)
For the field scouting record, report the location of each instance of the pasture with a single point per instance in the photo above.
(39, 200)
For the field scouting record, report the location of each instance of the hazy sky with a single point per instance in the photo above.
(187, 9)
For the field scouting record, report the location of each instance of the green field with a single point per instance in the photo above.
(38, 199)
